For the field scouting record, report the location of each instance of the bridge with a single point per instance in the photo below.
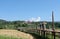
(43, 31)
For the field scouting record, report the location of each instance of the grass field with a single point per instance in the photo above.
(14, 34)
(6, 37)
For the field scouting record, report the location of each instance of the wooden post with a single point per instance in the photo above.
(44, 24)
(43, 29)
(53, 21)
(53, 25)
(40, 29)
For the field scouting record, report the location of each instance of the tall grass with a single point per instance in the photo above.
(9, 37)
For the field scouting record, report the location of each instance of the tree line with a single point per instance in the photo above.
(15, 24)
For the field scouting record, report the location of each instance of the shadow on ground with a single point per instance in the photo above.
(36, 36)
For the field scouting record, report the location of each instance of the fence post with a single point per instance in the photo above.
(40, 28)
(43, 28)
(53, 34)
(53, 25)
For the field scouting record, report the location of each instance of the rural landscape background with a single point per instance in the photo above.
(16, 28)
(29, 19)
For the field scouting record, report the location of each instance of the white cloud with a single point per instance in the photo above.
(34, 19)
(38, 19)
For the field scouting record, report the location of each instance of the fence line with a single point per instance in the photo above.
(44, 33)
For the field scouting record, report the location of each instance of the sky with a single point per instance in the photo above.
(40, 10)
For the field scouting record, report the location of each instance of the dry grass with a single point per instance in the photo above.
(15, 33)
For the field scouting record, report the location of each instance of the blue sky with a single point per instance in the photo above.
(26, 9)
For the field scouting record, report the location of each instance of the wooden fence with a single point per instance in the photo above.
(46, 33)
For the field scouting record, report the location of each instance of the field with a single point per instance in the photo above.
(13, 34)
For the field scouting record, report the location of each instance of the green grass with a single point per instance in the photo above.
(9, 37)
(51, 37)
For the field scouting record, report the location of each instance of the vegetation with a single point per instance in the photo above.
(13, 34)
(15, 24)
(18, 24)
(11, 24)
(6, 37)
(56, 25)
